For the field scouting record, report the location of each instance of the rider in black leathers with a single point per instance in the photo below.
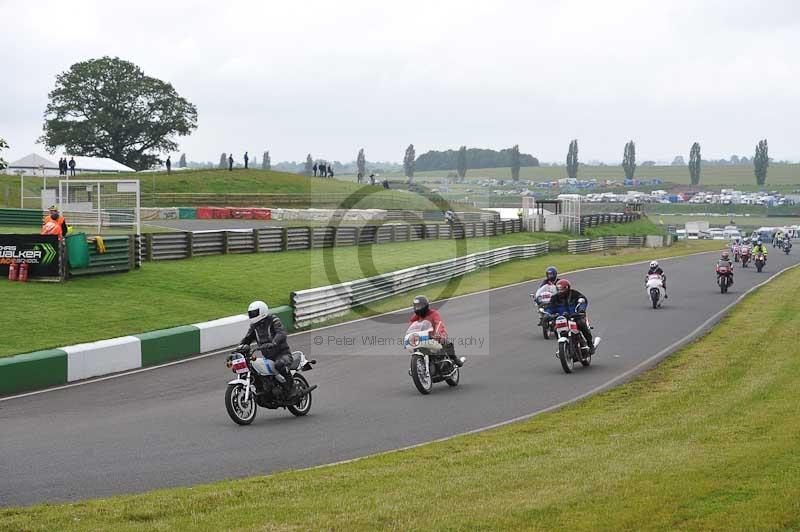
(566, 302)
(270, 336)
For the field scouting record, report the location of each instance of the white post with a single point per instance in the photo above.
(22, 191)
(99, 212)
(138, 213)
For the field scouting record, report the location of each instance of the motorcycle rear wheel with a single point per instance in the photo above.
(303, 407)
(565, 356)
(240, 412)
(423, 382)
(654, 297)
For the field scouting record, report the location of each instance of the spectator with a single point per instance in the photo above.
(169, 165)
(230, 163)
(372, 179)
(360, 177)
(71, 166)
(330, 171)
(54, 223)
(61, 166)
(315, 169)
(323, 170)
(246, 160)
(386, 184)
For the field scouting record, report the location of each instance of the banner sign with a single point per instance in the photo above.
(39, 251)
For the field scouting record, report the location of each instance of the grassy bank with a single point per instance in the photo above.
(708, 440)
(641, 227)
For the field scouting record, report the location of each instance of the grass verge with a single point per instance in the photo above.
(705, 441)
(641, 227)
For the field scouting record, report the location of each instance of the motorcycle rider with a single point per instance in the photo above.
(422, 311)
(776, 241)
(655, 269)
(270, 336)
(725, 260)
(565, 302)
(550, 276)
(759, 248)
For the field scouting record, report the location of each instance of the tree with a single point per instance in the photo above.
(678, 161)
(3, 146)
(223, 160)
(266, 163)
(408, 161)
(694, 163)
(107, 107)
(629, 160)
(734, 159)
(572, 159)
(309, 168)
(761, 161)
(361, 162)
(461, 163)
(182, 161)
(515, 162)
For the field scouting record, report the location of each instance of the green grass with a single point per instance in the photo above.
(778, 174)
(707, 440)
(641, 227)
(721, 221)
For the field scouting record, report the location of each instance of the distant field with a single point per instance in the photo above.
(778, 174)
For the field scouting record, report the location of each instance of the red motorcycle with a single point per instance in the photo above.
(760, 260)
(724, 277)
(744, 255)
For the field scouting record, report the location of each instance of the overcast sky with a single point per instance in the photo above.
(329, 77)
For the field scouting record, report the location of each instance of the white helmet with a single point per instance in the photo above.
(257, 311)
(653, 264)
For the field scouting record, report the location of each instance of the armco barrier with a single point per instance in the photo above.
(76, 362)
(320, 304)
(586, 245)
(182, 245)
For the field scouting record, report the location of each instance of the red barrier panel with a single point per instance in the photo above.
(220, 213)
(204, 213)
(262, 214)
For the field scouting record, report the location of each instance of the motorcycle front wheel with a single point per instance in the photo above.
(453, 379)
(422, 378)
(546, 330)
(654, 297)
(303, 407)
(565, 356)
(241, 412)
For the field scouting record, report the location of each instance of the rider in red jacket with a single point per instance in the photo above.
(422, 311)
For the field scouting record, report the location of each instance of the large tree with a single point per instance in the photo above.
(182, 161)
(408, 161)
(3, 146)
(515, 162)
(107, 107)
(694, 163)
(361, 162)
(629, 160)
(309, 168)
(761, 161)
(266, 163)
(572, 159)
(461, 163)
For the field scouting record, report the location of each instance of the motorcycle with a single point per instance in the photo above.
(572, 345)
(542, 299)
(429, 364)
(654, 287)
(760, 260)
(724, 280)
(787, 246)
(744, 255)
(736, 249)
(256, 384)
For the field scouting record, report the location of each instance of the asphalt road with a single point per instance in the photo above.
(168, 427)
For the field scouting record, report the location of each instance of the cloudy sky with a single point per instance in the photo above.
(329, 77)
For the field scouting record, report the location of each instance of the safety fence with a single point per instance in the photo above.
(594, 220)
(319, 304)
(183, 245)
(120, 255)
(586, 245)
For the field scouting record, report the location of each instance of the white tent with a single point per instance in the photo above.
(35, 164)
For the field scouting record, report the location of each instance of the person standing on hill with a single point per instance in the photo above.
(246, 160)
(169, 165)
(71, 166)
(315, 168)
(330, 171)
(230, 163)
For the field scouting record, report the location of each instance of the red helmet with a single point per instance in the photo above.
(563, 286)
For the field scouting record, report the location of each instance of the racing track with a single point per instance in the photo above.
(168, 427)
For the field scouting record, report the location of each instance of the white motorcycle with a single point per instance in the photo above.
(257, 384)
(429, 364)
(542, 299)
(654, 286)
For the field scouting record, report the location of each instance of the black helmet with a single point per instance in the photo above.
(420, 306)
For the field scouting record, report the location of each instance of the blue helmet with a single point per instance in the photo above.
(551, 274)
